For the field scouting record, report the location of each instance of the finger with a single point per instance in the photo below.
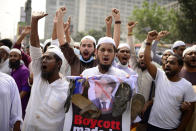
(45, 14)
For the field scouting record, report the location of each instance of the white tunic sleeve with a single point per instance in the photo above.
(16, 109)
(36, 54)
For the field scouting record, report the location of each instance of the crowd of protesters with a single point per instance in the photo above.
(34, 87)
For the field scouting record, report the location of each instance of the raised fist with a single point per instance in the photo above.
(162, 34)
(131, 25)
(108, 20)
(152, 35)
(116, 14)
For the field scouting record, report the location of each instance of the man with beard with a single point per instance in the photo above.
(87, 47)
(138, 65)
(4, 60)
(105, 53)
(178, 48)
(123, 55)
(20, 73)
(45, 111)
(164, 57)
(189, 72)
(170, 91)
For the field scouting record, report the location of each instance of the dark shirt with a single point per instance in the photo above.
(77, 66)
(190, 76)
(21, 76)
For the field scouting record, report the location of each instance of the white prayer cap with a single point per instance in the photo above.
(188, 50)
(107, 40)
(121, 45)
(141, 50)
(168, 50)
(42, 45)
(77, 44)
(194, 46)
(55, 49)
(15, 50)
(46, 41)
(7, 49)
(90, 38)
(178, 43)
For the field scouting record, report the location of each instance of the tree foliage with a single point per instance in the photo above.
(186, 21)
(153, 17)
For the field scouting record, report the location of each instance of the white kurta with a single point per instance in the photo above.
(10, 103)
(45, 110)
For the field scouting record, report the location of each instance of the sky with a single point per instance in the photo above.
(10, 16)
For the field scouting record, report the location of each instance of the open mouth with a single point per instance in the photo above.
(44, 67)
(105, 59)
(85, 54)
(124, 59)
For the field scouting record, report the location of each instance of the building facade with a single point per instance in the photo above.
(91, 14)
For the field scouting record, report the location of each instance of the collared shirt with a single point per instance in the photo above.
(45, 110)
(4, 67)
(10, 104)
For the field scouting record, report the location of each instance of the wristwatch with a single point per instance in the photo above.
(118, 22)
(148, 43)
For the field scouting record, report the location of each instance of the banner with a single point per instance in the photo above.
(101, 92)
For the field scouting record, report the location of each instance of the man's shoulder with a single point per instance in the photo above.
(118, 72)
(6, 77)
(185, 82)
(23, 69)
(90, 71)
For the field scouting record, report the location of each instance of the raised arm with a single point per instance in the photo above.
(34, 38)
(116, 35)
(108, 22)
(67, 30)
(133, 58)
(152, 69)
(54, 32)
(161, 35)
(60, 26)
(25, 32)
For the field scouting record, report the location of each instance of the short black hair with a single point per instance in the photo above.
(7, 42)
(179, 59)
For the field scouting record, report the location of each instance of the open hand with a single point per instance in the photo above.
(26, 30)
(38, 15)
